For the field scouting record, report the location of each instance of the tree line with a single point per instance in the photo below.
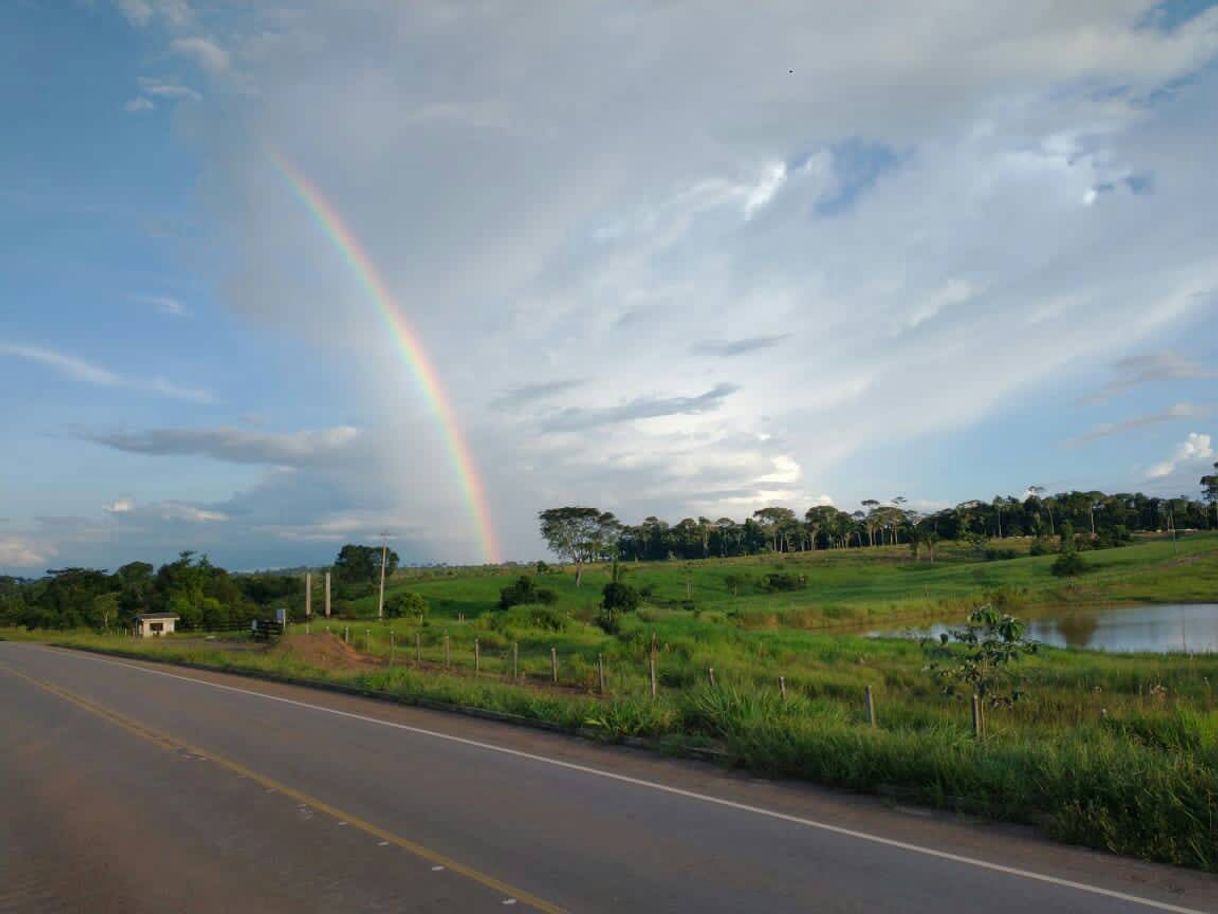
(581, 534)
(202, 594)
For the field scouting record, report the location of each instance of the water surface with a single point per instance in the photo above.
(1190, 628)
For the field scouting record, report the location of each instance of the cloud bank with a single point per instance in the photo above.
(769, 247)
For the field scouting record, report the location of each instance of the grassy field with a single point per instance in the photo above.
(1113, 751)
(851, 586)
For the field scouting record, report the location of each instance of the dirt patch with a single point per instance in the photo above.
(326, 652)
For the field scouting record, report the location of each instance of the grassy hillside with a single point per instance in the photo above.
(855, 585)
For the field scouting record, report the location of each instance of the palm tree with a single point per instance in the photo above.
(1039, 493)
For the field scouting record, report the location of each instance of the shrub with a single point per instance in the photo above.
(531, 616)
(621, 597)
(782, 580)
(406, 604)
(616, 598)
(525, 591)
(1000, 555)
(1069, 564)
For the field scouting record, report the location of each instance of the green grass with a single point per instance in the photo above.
(851, 586)
(1113, 751)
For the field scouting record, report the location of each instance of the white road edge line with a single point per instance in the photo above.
(664, 788)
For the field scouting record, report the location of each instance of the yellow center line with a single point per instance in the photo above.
(173, 744)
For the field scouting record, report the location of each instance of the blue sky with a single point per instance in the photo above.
(665, 262)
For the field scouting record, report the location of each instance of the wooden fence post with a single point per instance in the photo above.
(515, 661)
(554, 663)
(367, 640)
(418, 647)
(392, 645)
(447, 651)
(782, 687)
(870, 706)
(651, 665)
(976, 716)
(347, 634)
(710, 676)
(477, 658)
(600, 669)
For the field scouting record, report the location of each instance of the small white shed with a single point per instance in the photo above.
(153, 625)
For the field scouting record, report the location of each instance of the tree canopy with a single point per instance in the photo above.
(579, 535)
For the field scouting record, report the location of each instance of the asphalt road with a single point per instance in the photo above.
(135, 787)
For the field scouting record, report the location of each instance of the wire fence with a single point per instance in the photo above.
(492, 656)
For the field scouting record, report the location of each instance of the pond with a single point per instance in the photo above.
(1190, 628)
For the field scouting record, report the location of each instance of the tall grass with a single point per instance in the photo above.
(1115, 752)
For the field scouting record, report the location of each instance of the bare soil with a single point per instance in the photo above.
(326, 652)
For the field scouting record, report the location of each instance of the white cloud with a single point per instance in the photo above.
(138, 12)
(164, 87)
(143, 12)
(567, 216)
(78, 369)
(165, 304)
(172, 510)
(238, 445)
(205, 52)
(955, 291)
(1194, 449)
(786, 469)
(1147, 368)
(120, 506)
(772, 178)
(1106, 429)
(67, 365)
(18, 552)
(139, 103)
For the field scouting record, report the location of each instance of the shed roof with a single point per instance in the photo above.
(157, 616)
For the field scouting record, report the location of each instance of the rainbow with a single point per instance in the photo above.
(408, 344)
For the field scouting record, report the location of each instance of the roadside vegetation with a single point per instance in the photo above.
(1112, 751)
(758, 658)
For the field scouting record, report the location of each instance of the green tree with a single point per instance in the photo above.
(362, 564)
(979, 656)
(105, 610)
(775, 522)
(1209, 490)
(579, 535)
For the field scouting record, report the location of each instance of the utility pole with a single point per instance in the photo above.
(380, 602)
(308, 595)
(327, 595)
